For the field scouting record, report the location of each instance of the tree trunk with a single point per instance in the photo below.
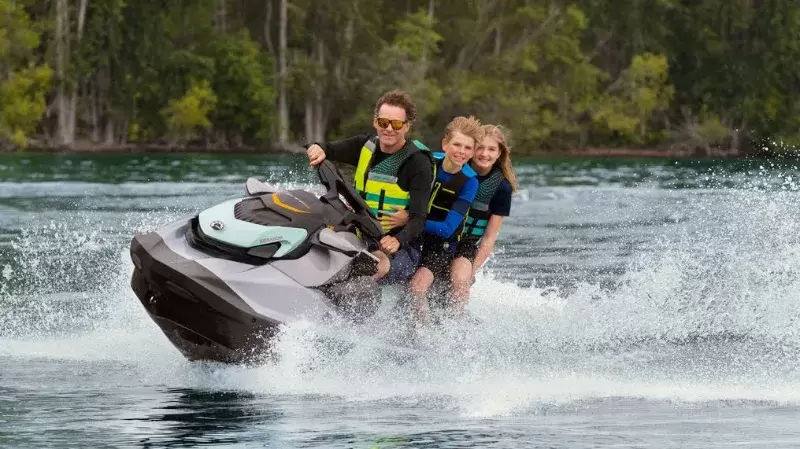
(109, 132)
(283, 106)
(220, 16)
(341, 68)
(122, 131)
(318, 117)
(101, 104)
(81, 17)
(322, 120)
(309, 119)
(313, 107)
(736, 141)
(424, 58)
(498, 41)
(268, 28)
(63, 136)
(73, 97)
(319, 107)
(95, 116)
(66, 100)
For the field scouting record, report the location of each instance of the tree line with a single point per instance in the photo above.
(561, 74)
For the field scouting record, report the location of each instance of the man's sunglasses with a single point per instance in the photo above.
(384, 122)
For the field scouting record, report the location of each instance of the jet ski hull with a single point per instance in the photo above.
(196, 310)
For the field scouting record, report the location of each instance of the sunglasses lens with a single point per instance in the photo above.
(384, 122)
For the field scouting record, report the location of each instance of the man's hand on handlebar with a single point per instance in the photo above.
(389, 244)
(315, 154)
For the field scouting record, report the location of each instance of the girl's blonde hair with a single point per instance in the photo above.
(500, 134)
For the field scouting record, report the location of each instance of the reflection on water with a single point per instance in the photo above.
(187, 417)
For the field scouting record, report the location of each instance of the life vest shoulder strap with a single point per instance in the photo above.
(455, 183)
(445, 194)
(371, 143)
(392, 163)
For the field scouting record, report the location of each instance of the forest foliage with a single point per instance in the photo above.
(228, 74)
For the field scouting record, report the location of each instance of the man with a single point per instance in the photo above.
(392, 174)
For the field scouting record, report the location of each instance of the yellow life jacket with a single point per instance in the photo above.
(378, 184)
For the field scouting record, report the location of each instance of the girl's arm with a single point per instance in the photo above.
(487, 242)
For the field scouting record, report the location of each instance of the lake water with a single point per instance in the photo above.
(630, 303)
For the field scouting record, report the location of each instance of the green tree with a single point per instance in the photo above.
(242, 82)
(22, 103)
(23, 82)
(333, 71)
(537, 80)
(189, 114)
(642, 91)
(407, 62)
(559, 73)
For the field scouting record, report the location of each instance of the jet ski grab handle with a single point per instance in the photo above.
(332, 240)
(331, 178)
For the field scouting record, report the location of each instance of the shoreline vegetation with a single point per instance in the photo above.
(581, 77)
(155, 148)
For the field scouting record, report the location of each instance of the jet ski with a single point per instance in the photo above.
(221, 283)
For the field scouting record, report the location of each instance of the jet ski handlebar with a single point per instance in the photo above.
(341, 192)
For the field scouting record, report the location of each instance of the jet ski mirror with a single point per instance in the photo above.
(253, 186)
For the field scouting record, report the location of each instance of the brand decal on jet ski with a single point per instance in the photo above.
(266, 240)
(217, 225)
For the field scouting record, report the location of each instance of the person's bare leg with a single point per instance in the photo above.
(383, 265)
(418, 287)
(461, 281)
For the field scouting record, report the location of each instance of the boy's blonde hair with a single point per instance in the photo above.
(468, 126)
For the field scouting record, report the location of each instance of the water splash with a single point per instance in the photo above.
(704, 309)
(64, 278)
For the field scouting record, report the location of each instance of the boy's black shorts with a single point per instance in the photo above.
(437, 260)
(467, 249)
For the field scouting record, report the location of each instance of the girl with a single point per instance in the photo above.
(496, 178)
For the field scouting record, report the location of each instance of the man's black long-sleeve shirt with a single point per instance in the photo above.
(415, 176)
